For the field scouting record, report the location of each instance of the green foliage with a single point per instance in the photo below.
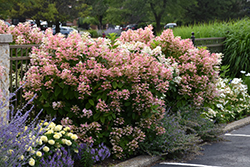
(93, 33)
(203, 30)
(112, 37)
(222, 10)
(224, 70)
(236, 52)
(86, 158)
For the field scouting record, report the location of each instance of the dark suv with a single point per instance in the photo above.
(131, 26)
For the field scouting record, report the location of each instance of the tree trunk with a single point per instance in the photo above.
(49, 23)
(158, 25)
(38, 23)
(57, 26)
(100, 22)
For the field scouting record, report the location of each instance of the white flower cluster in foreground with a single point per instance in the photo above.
(234, 99)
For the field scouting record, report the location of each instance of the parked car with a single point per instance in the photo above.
(170, 25)
(32, 23)
(131, 26)
(117, 27)
(64, 30)
(7, 23)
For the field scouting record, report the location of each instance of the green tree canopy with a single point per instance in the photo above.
(54, 11)
(133, 11)
(208, 10)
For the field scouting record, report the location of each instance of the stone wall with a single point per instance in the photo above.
(5, 39)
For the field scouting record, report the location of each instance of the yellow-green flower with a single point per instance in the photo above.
(69, 134)
(74, 137)
(49, 132)
(57, 144)
(66, 128)
(39, 153)
(29, 149)
(32, 162)
(56, 136)
(10, 151)
(21, 157)
(58, 127)
(64, 141)
(51, 142)
(52, 125)
(44, 138)
(46, 149)
(68, 142)
(62, 132)
(39, 141)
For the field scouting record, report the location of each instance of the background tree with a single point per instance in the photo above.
(127, 11)
(53, 11)
(134, 11)
(209, 10)
(98, 10)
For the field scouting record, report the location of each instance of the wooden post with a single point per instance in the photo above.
(193, 38)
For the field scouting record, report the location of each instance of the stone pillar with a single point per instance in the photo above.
(5, 39)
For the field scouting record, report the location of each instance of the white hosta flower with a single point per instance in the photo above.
(247, 75)
(242, 72)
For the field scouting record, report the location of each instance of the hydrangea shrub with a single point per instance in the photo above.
(117, 89)
(22, 33)
(233, 103)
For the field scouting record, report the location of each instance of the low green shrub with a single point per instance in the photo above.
(174, 141)
(195, 123)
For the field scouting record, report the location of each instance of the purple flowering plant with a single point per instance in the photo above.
(16, 136)
(62, 158)
(88, 155)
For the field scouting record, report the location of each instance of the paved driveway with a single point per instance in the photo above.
(234, 152)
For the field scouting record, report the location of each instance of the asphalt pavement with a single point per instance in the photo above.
(234, 151)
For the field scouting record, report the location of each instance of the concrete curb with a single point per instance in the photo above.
(145, 160)
(237, 124)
